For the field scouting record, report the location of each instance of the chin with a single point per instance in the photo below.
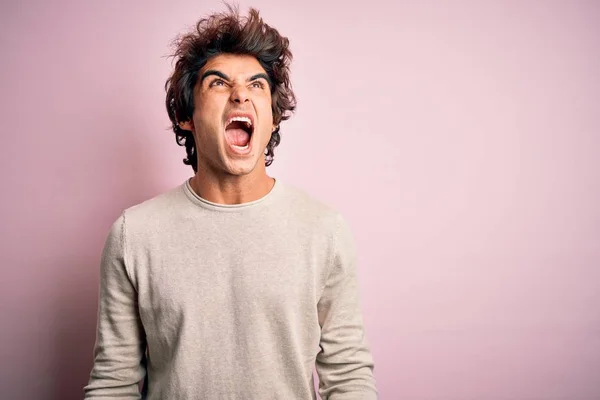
(242, 164)
(241, 167)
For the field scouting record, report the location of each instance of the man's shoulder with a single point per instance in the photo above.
(311, 208)
(165, 204)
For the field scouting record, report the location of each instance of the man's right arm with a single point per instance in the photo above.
(119, 351)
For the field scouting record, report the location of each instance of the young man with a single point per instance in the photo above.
(232, 285)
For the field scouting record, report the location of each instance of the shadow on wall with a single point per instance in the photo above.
(119, 174)
(75, 323)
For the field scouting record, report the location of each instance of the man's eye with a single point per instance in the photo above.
(258, 85)
(217, 82)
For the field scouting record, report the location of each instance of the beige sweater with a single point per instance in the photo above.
(207, 301)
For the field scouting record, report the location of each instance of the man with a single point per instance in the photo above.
(232, 285)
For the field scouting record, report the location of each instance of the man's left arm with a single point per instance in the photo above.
(344, 364)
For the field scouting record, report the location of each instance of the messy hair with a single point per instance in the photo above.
(228, 33)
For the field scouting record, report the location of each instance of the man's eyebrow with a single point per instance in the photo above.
(259, 76)
(213, 72)
(221, 75)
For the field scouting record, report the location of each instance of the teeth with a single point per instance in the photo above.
(240, 147)
(241, 119)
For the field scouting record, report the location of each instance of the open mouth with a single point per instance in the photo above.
(238, 132)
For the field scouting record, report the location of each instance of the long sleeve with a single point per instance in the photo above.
(119, 362)
(344, 364)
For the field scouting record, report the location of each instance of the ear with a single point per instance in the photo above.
(187, 125)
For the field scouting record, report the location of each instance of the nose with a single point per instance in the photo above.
(239, 94)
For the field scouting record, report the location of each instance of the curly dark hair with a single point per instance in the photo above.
(228, 33)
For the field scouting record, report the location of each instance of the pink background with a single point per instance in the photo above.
(460, 139)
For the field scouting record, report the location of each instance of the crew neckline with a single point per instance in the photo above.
(196, 199)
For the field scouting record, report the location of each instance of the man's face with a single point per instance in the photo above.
(233, 120)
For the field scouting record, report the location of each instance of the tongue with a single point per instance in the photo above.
(237, 137)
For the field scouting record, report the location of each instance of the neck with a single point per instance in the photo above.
(232, 189)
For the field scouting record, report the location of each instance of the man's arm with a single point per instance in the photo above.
(119, 362)
(344, 364)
